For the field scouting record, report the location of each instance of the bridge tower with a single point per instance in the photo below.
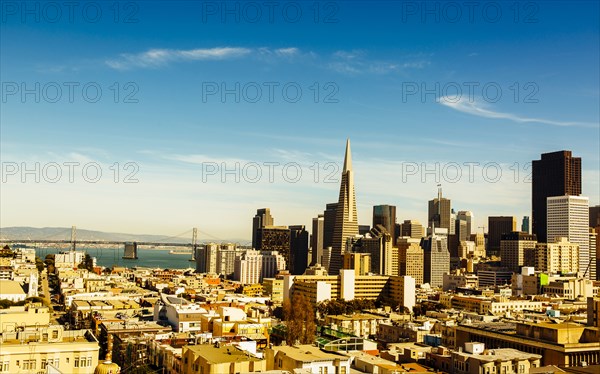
(194, 243)
(73, 237)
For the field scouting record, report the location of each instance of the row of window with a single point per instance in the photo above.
(82, 362)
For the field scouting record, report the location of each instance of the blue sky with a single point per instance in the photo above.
(369, 62)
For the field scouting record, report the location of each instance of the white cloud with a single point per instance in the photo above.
(356, 62)
(481, 110)
(159, 57)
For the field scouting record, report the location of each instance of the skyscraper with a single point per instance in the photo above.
(496, 227)
(440, 212)
(410, 258)
(274, 238)
(517, 249)
(329, 224)
(378, 243)
(317, 239)
(412, 229)
(467, 216)
(436, 260)
(561, 256)
(525, 224)
(460, 234)
(568, 217)
(262, 219)
(346, 219)
(298, 250)
(556, 174)
(595, 216)
(385, 215)
(206, 258)
(594, 273)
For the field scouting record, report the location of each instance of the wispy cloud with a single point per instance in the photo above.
(346, 62)
(357, 62)
(154, 58)
(482, 110)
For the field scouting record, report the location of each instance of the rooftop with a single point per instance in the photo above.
(10, 287)
(306, 353)
(505, 354)
(218, 355)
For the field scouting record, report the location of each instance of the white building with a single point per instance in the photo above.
(568, 217)
(226, 259)
(252, 266)
(560, 256)
(68, 259)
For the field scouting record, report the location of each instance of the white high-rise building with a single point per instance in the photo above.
(252, 266)
(568, 217)
(467, 215)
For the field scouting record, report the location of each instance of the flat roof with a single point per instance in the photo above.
(306, 353)
(217, 355)
(505, 354)
(358, 316)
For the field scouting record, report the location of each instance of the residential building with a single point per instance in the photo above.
(209, 359)
(309, 358)
(252, 266)
(70, 351)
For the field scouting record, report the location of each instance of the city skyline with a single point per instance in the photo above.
(480, 223)
(178, 128)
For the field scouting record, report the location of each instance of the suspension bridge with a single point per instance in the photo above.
(130, 247)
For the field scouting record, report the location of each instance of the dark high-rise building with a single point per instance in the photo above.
(412, 228)
(378, 243)
(274, 238)
(298, 250)
(517, 249)
(329, 224)
(595, 216)
(346, 219)
(525, 224)
(363, 229)
(317, 239)
(262, 219)
(556, 174)
(385, 215)
(440, 212)
(496, 227)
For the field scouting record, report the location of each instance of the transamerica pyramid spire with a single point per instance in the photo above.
(346, 220)
(347, 157)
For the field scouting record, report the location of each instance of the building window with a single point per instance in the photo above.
(29, 364)
(76, 363)
(4, 367)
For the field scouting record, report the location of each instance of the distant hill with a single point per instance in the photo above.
(64, 233)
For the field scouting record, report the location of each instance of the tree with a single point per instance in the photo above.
(39, 264)
(87, 263)
(299, 315)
